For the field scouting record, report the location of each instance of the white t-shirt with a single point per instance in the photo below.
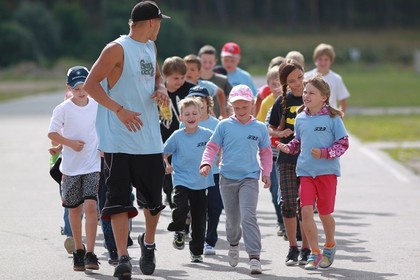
(77, 123)
(337, 87)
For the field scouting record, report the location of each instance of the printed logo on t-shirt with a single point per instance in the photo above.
(252, 137)
(320, 128)
(201, 144)
(147, 68)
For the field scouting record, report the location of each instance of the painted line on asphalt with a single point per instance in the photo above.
(383, 163)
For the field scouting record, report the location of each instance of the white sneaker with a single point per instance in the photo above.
(69, 244)
(255, 266)
(209, 250)
(233, 255)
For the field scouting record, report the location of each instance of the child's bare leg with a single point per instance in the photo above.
(328, 223)
(91, 223)
(290, 225)
(76, 226)
(309, 227)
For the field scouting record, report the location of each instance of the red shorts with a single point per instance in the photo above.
(321, 189)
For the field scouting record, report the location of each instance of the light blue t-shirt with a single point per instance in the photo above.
(210, 86)
(187, 151)
(239, 77)
(211, 124)
(319, 131)
(133, 91)
(240, 145)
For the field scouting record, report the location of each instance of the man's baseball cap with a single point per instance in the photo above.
(231, 49)
(241, 92)
(198, 91)
(146, 10)
(77, 75)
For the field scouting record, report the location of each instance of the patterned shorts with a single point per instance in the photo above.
(289, 187)
(75, 189)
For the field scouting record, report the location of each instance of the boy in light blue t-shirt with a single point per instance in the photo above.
(186, 145)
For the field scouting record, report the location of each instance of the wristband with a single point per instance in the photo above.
(119, 109)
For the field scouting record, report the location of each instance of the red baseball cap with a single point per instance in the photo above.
(231, 49)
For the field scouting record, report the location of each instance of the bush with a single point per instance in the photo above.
(175, 38)
(40, 23)
(16, 44)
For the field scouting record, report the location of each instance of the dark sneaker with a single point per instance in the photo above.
(147, 260)
(123, 269)
(79, 260)
(91, 261)
(292, 256)
(179, 240)
(303, 256)
(112, 257)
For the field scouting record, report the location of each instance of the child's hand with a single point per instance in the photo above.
(316, 153)
(205, 170)
(267, 182)
(286, 133)
(282, 147)
(77, 145)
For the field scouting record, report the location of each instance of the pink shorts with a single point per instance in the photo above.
(321, 189)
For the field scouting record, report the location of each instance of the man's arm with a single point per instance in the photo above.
(109, 66)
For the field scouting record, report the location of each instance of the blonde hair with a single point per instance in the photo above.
(275, 61)
(174, 64)
(298, 56)
(324, 89)
(324, 49)
(273, 73)
(189, 101)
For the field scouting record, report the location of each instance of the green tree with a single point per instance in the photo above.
(38, 20)
(16, 44)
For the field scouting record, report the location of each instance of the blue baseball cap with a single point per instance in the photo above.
(198, 91)
(77, 75)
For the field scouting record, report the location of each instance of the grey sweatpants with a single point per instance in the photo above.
(240, 198)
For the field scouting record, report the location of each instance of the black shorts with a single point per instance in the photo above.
(143, 172)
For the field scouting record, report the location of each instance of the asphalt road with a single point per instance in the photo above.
(378, 204)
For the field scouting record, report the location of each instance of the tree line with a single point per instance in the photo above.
(44, 30)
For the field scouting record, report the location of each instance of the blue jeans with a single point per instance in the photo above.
(67, 228)
(275, 193)
(214, 209)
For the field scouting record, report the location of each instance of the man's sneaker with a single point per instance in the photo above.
(91, 261)
(292, 256)
(112, 257)
(69, 244)
(255, 266)
(79, 260)
(313, 261)
(179, 241)
(123, 269)
(209, 250)
(147, 260)
(327, 257)
(196, 258)
(303, 256)
(233, 255)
